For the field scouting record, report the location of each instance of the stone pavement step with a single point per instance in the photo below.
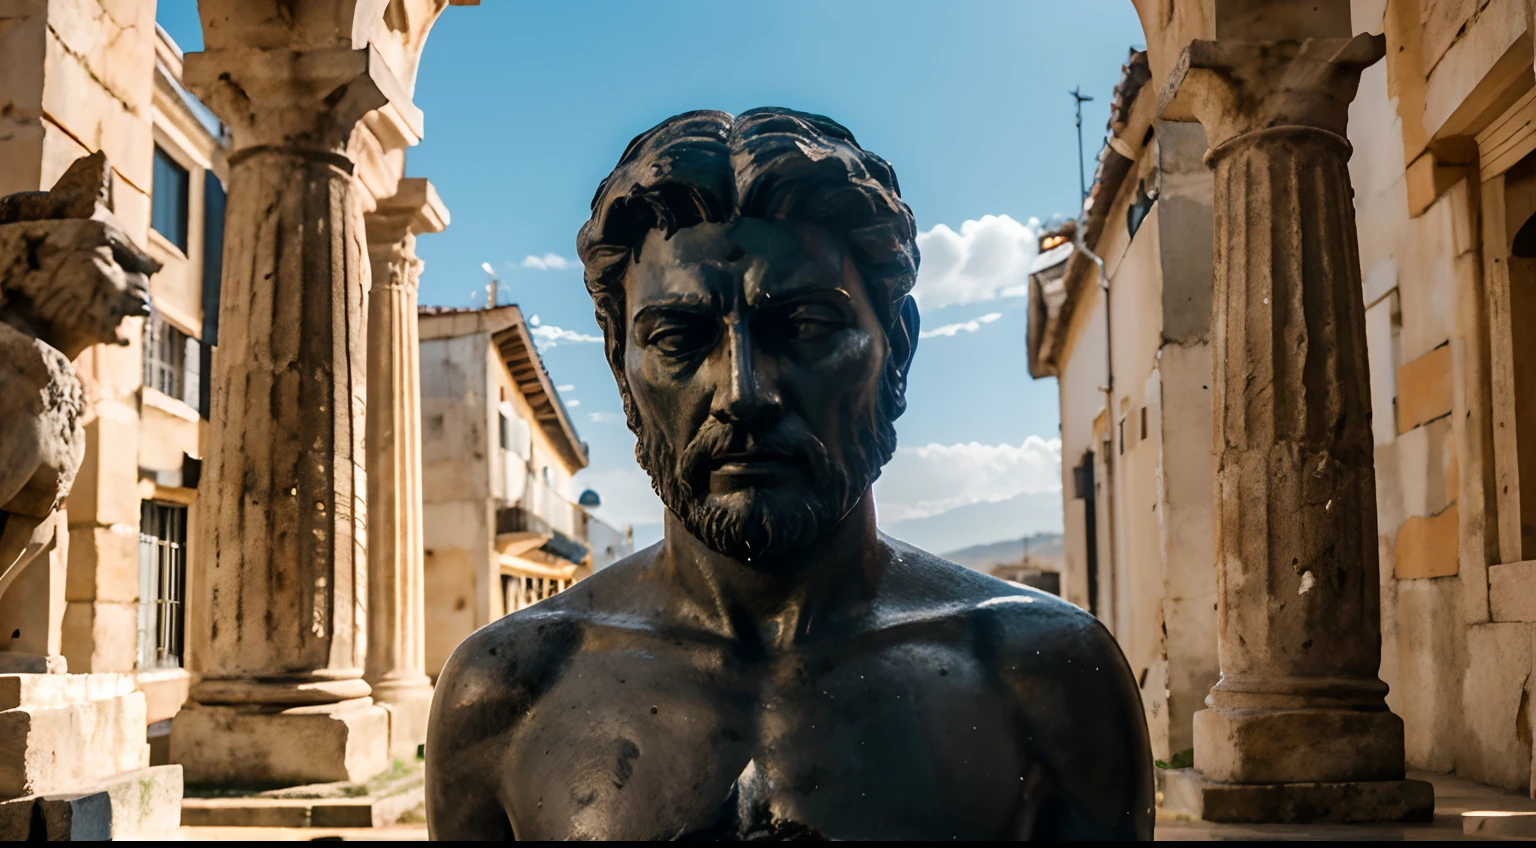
(395, 833)
(1498, 823)
(367, 811)
(378, 802)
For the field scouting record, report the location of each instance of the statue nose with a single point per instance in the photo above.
(746, 395)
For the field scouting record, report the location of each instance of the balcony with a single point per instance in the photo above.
(542, 520)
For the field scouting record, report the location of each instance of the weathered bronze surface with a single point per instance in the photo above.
(776, 667)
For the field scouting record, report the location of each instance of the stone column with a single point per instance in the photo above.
(282, 697)
(1298, 728)
(396, 606)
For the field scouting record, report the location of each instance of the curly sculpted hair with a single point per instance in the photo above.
(773, 163)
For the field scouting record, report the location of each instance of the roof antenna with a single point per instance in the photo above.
(490, 288)
(1082, 179)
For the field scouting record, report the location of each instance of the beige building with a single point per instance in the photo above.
(1135, 437)
(1444, 176)
(503, 528)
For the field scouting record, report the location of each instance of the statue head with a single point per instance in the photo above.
(751, 276)
(69, 275)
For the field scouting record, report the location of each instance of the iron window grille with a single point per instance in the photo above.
(172, 360)
(162, 584)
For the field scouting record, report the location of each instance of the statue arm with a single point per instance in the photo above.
(466, 738)
(1082, 723)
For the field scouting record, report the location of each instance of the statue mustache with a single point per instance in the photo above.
(786, 437)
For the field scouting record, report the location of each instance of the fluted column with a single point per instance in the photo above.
(284, 568)
(396, 595)
(1299, 705)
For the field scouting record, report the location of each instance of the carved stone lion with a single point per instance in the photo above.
(69, 275)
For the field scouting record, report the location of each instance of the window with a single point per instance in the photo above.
(506, 432)
(168, 200)
(172, 361)
(162, 583)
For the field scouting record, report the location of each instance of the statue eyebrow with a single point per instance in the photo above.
(693, 304)
(767, 299)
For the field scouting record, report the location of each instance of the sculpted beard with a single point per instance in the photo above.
(767, 523)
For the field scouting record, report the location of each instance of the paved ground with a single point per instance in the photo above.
(1453, 797)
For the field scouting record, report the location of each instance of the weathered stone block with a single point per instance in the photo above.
(103, 563)
(140, 803)
(1424, 456)
(1298, 803)
(1431, 638)
(1426, 282)
(60, 746)
(1296, 746)
(164, 692)
(106, 490)
(94, 637)
(1424, 389)
(1512, 591)
(1427, 546)
(1495, 702)
(251, 745)
(75, 817)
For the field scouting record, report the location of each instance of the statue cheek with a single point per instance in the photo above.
(856, 359)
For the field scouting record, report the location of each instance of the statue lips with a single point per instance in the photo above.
(752, 469)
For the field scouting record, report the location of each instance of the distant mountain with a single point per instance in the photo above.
(1044, 551)
(976, 525)
(982, 523)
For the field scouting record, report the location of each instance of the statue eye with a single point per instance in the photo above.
(813, 322)
(680, 339)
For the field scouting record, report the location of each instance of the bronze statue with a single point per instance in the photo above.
(776, 667)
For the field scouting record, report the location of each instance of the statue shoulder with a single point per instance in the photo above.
(486, 690)
(1080, 710)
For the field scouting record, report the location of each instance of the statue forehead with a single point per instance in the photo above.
(751, 257)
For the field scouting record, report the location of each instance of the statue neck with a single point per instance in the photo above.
(776, 604)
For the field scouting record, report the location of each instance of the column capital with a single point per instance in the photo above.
(295, 99)
(1239, 88)
(414, 209)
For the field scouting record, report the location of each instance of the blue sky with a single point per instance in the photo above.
(528, 106)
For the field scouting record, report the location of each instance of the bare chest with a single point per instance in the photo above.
(903, 742)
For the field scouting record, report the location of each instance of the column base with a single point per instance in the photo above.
(261, 746)
(409, 707)
(1355, 802)
(1298, 745)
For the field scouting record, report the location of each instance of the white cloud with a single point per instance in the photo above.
(546, 336)
(987, 259)
(573, 403)
(934, 478)
(970, 326)
(603, 417)
(547, 262)
(627, 495)
(565, 388)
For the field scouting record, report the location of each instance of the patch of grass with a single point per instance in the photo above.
(1181, 760)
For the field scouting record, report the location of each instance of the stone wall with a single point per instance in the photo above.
(1459, 675)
